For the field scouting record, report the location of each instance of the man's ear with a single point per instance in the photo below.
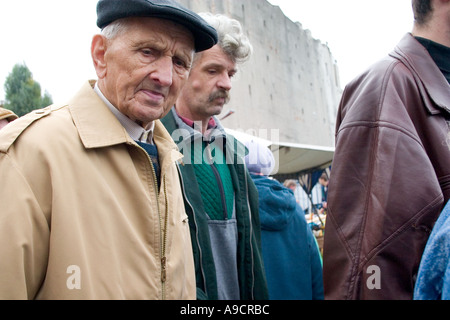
(98, 52)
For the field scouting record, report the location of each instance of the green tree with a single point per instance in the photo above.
(22, 93)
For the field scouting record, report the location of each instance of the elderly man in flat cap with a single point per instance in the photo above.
(95, 209)
(6, 116)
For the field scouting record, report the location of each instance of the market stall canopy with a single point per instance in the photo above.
(292, 158)
(297, 158)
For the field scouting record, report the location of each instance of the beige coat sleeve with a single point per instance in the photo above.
(24, 234)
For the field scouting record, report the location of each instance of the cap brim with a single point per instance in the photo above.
(110, 10)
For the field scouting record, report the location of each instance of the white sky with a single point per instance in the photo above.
(358, 32)
(53, 37)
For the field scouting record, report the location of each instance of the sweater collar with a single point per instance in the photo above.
(211, 124)
(188, 129)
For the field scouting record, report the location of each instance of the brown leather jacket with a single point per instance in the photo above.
(390, 177)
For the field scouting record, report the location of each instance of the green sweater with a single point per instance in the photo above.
(214, 180)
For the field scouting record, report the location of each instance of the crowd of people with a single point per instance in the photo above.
(133, 190)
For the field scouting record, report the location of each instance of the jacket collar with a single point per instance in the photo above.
(96, 124)
(137, 132)
(98, 127)
(416, 57)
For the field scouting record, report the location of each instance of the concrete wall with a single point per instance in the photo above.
(290, 84)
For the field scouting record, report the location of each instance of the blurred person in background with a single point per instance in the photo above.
(291, 255)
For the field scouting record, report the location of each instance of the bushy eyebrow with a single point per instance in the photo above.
(153, 43)
(214, 65)
(185, 55)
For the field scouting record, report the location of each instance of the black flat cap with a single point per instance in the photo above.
(111, 10)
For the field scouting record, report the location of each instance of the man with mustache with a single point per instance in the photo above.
(220, 198)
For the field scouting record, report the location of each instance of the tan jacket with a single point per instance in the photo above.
(80, 215)
(7, 114)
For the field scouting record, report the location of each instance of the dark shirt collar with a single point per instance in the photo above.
(440, 55)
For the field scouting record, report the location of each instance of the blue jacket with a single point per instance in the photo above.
(290, 252)
(433, 280)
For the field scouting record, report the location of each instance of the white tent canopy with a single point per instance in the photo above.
(295, 158)
(292, 158)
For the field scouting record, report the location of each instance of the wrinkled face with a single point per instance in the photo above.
(209, 85)
(142, 70)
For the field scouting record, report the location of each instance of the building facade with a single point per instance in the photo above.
(290, 85)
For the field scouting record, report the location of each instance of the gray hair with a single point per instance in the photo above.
(114, 29)
(231, 37)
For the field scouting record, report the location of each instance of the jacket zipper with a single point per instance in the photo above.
(196, 232)
(162, 225)
(219, 182)
(251, 232)
(164, 240)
